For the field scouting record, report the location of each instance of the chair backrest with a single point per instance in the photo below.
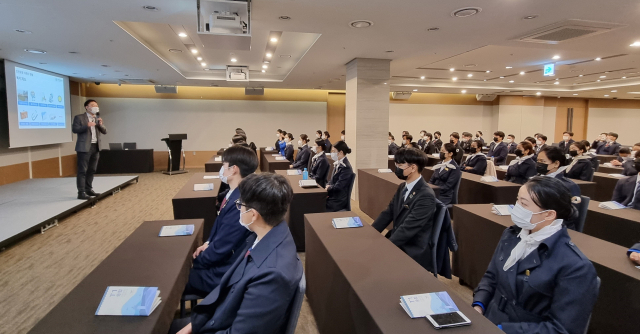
(593, 170)
(115, 146)
(583, 208)
(589, 320)
(454, 200)
(296, 305)
(596, 164)
(491, 169)
(352, 181)
(129, 146)
(438, 219)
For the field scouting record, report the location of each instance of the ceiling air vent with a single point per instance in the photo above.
(567, 30)
(137, 81)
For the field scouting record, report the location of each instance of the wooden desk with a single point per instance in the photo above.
(213, 166)
(377, 189)
(190, 204)
(355, 278)
(478, 231)
(604, 186)
(621, 227)
(606, 158)
(610, 170)
(586, 188)
(305, 200)
(143, 259)
(264, 166)
(270, 164)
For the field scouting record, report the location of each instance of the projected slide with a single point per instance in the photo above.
(41, 99)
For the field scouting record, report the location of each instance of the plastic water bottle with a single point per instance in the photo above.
(305, 174)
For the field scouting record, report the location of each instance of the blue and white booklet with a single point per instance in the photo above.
(203, 187)
(175, 230)
(502, 210)
(346, 222)
(611, 205)
(129, 301)
(419, 306)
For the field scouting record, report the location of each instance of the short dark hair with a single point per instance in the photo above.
(450, 148)
(319, 132)
(605, 133)
(322, 144)
(531, 140)
(480, 132)
(527, 146)
(478, 143)
(543, 137)
(342, 132)
(512, 136)
(550, 193)
(429, 135)
(243, 157)
(554, 154)
(455, 135)
(408, 136)
(392, 137)
(284, 133)
(467, 134)
(267, 193)
(586, 143)
(437, 133)
(569, 133)
(499, 134)
(613, 134)
(304, 138)
(238, 138)
(636, 144)
(423, 131)
(326, 133)
(342, 146)
(86, 103)
(279, 130)
(290, 135)
(579, 145)
(412, 156)
(625, 150)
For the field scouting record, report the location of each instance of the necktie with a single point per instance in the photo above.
(404, 192)
(224, 202)
(635, 203)
(247, 253)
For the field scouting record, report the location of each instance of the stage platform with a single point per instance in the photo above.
(30, 205)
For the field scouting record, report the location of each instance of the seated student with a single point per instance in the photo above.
(254, 296)
(454, 139)
(407, 141)
(623, 155)
(595, 163)
(580, 167)
(437, 142)
(601, 140)
(342, 135)
(524, 166)
(466, 142)
(446, 174)
(393, 147)
(327, 141)
(239, 140)
(282, 144)
(634, 254)
(498, 150)
(319, 166)
(288, 150)
(511, 143)
(611, 147)
(411, 209)
(319, 134)
(627, 190)
(429, 147)
(567, 140)
(538, 281)
(552, 163)
(627, 165)
(422, 139)
(541, 143)
(304, 154)
(212, 259)
(479, 137)
(338, 188)
(476, 162)
(276, 146)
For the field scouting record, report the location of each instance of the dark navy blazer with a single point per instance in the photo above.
(254, 296)
(446, 180)
(611, 149)
(521, 172)
(225, 241)
(624, 190)
(629, 168)
(288, 152)
(302, 159)
(319, 170)
(582, 170)
(338, 191)
(557, 295)
(499, 153)
(478, 162)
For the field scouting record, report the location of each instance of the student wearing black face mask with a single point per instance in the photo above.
(524, 166)
(458, 153)
(446, 174)
(627, 190)
(498, 150)
(437, 142)
(552, 163)
(580, 167)
(476, 162)
(411, 209)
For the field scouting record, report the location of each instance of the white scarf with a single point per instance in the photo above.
(575, 160)
(520, 160)
(475, 155)
(530, 242)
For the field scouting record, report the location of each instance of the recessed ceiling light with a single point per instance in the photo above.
(199, 58)
(454, 78)
(269, 55)
(273, 39)
(38, 51)
(361, 24)
(555, 57)
(575, 94)
(284, 18)
(603, 76)
(487, 72)
(266, 62)
(509, 67)
(598, 59)
(598, 80)
(385, 83)
(194, 51)
(522, 73)
(580, 75)
(538, 93)
(511, 81)
(635, 44)
(605, 95)
(422, 77)
(466, 12)
(233, 60)
(469, 75)
(485, 79)
(452, 69)
(151, 8)
(501, 77)
(624, 77)
(614, 91)
(265, 66)
(463, 91)
(530, 17)
(537, 82)
(182, 34)
(415, 90)
(556, 83)
(203, 64)
(175, 50)
(557, 79)
(433, 29)
(264, 71)
(23, 31)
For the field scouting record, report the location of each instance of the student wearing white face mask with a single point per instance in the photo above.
(538, 281)
(338, 188)
(541, 143)
(511, 143)
(304, 153)
(319, 165)
(288, 150)
(601, 140)
(627, 162)
(567, 140)
(215, 256)
(342, 135)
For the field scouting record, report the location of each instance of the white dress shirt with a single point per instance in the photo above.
(410, 186)
(94, 138)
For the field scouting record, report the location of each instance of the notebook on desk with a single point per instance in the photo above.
(203, 187)
(129, 301)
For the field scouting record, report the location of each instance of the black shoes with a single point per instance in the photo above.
(83, 195)
(92, 193)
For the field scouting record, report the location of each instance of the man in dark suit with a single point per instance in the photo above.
(429, 147)
(541, 143)
(499, 151)
(601, 140)
(466, 142)
(511, 144)
(611, 147)
(627, 190)
(411, 209)
(304, 153)
(437, 142)
(393, 147)
(454, 139)
(88, 126)
(422, 139)
(407, 141)
(567, 140)
(255, 294)
(227, 237)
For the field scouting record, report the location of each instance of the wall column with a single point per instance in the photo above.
(367, 113)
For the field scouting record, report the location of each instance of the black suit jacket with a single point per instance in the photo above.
(83, 130)
(438, 144)
(628, 168)
(288, 152)
(338, 191)
(520, 173)
(329, 146)
(393, 148)
(511, 148)
(302, 159)
(611, 149)
(623, 192)
(466, 146)
(477, 162)
(581, 170)
(538, 148)
(412, 221)
(565, 146)
(446, 180)
(457, 156)
(421, 143)
(499, 153)
(319, 170)
(429, 148)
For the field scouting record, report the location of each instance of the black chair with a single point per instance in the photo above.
(296, 306)
(441, 212)
(583, 208)
(193, 301)
(593, 170)
(115, 146)
(588, 321)
(352, 182)
(129, 146)
(454, 200)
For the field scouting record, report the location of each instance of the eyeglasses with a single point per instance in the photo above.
(240, 204)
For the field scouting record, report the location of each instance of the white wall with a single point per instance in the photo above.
(209, 124)
(625, 122)
(440, 117)
(549, 123)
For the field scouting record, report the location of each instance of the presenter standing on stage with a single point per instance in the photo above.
(88, 127)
